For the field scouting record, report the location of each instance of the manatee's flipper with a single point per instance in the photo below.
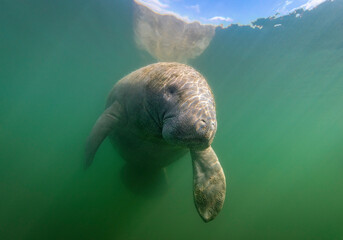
(209, 185)
(111, 117)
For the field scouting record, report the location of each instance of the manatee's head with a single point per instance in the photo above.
(186, 105)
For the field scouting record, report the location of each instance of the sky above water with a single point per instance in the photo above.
(227, 12)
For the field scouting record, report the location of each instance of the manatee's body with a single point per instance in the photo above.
(156, 115)
(147, 153)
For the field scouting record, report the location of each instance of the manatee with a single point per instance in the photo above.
(157, 114)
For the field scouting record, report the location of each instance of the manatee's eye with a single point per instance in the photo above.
(172, 89)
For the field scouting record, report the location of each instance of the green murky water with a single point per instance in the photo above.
(279, 94)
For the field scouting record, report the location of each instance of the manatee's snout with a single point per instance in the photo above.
(205, 127)
(205, 130)
(190, 131)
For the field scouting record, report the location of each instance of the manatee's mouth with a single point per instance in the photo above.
(167, 118)
(172, 134)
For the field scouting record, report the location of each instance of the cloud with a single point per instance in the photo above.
(288, 3)
(283, 9)
(195, 8)
(311, 4)
(219, 18)
(161, 8)
(288, 6)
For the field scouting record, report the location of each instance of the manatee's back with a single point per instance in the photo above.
(127, 87)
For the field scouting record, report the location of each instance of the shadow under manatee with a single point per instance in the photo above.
(144, 181)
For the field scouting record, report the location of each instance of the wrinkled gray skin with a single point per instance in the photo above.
(157, 114)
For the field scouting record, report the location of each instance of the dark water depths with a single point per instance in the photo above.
(279, 94)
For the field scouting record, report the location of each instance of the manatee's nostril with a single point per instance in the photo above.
(200, 125)
(213, 125)
(203, 123)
